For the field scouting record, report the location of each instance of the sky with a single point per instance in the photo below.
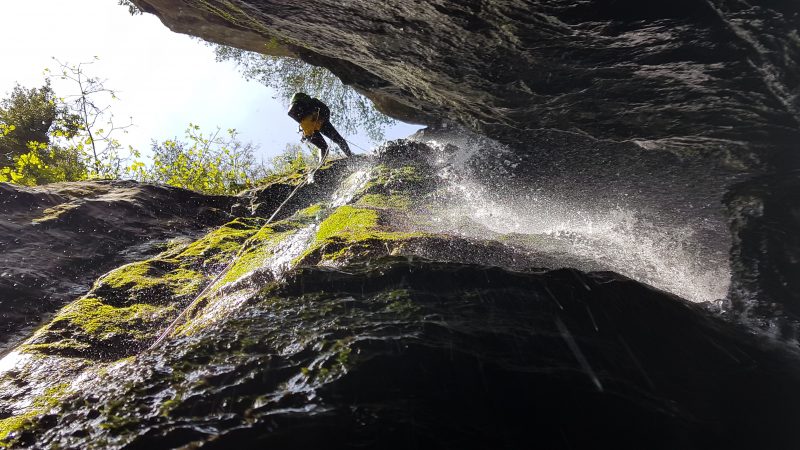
(163, 80)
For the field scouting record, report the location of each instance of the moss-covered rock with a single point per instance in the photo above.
(450, 353)
(390, 180)
(127, 307)
(353, 232)
(397, 201)
(12, 427)
(217, 246)
(66, 235)
(309, 323)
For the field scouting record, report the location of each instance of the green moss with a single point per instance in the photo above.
(295, 174)
(311, 212)
(170, 405)
(385, 201)
(51, 397)
(349, 223)
(128, 307)
(350, 231)
(153, 274)
(291, 178)
(398, 302)
(221, 243)
(15, 424)
(155, 281)
(353, 224)
(101, 320)
(130, 275)
(338, 361)
(258, 250)
(88, 324)
(384, 174)
(392, 180)
(63, 346)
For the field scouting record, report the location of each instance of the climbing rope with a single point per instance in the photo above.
(174, 324)
(356, 146)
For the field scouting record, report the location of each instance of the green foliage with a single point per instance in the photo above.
(293, 159)
(42, 165)
(210, 163)
(45, 138)
(27, 115)
(215, 163)
(350, 111)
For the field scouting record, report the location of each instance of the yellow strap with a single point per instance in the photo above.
(311, 124)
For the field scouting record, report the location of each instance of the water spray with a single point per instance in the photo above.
(174, 324)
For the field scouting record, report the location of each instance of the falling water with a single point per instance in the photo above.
(280, 259)
(646, 242)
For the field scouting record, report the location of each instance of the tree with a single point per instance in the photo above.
(95, 129)
(214, 163)
(44, 164)
(46, 138)
(30, 119)
(350, 111)
(34, 115)
(294, 159)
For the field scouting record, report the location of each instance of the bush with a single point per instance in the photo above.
(213, 164)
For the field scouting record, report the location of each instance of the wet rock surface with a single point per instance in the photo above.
(712, 82)
(355, 321)
(56, 239)
(716, 77)
(766, 250)
(429, 355)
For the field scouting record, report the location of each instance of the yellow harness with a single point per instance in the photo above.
(311, 124)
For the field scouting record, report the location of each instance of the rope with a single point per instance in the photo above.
(356, 146)
(174, 324)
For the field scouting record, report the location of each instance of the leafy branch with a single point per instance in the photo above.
(95, 125)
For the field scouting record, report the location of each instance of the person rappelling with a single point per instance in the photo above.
(314, 119)
(312, 115)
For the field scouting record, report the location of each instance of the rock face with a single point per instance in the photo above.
(713, 82)
(392, 305)
(766, 251)
(357, 320)
(56, 239)
(708, 77)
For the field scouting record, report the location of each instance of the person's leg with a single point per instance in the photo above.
(320, 143)
(332, 134)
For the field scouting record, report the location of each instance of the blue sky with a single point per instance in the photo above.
(163, 80)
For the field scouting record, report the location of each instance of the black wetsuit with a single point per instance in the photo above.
(309, 106)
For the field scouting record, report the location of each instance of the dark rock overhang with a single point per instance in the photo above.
(710, 77)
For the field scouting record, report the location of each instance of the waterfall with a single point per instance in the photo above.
(643, 242)
(279, 260)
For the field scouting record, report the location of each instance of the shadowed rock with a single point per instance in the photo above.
(712, 77)
(56, 239)
(362, 318)
(414, 354)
